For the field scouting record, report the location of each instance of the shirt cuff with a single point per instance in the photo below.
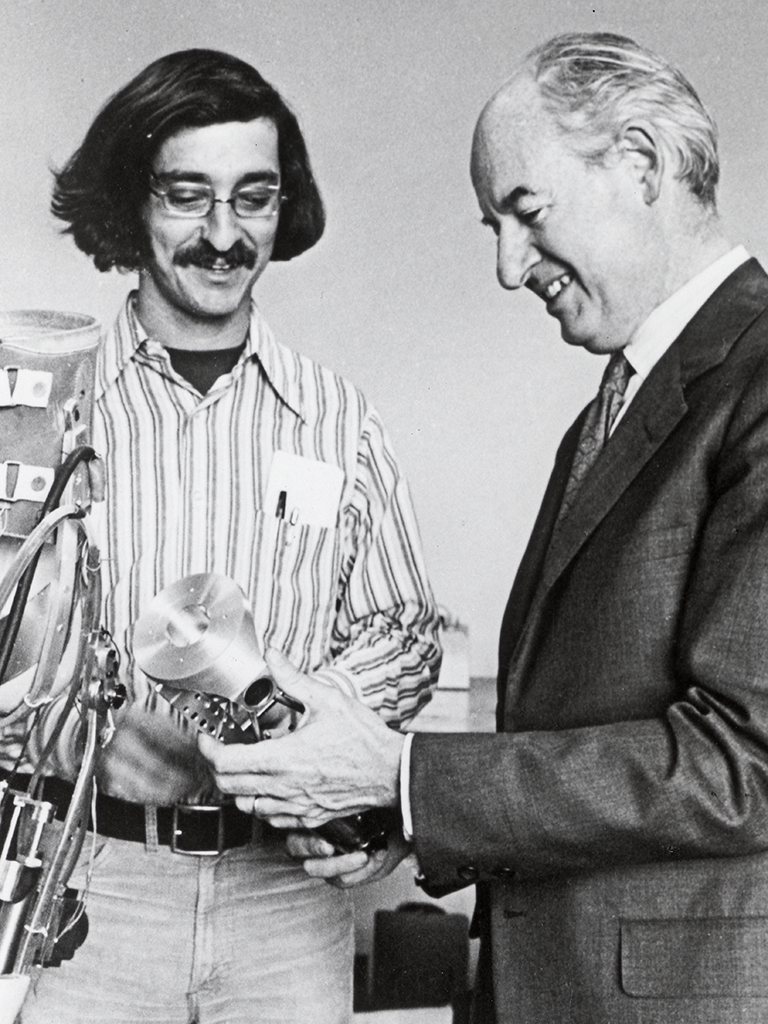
(405, 788)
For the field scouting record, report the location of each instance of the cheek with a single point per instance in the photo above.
(158, 243)
(616, 267)
(263, 246)
(165, 237)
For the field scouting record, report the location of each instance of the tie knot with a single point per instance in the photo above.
(617, 374)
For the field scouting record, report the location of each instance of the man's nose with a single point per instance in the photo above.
(515, 254)
(222, 227)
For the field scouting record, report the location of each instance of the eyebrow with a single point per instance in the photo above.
(509, 203)
(196, 177)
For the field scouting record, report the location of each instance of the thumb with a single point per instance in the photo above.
(295, 683)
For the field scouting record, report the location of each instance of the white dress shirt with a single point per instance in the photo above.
(652, 339)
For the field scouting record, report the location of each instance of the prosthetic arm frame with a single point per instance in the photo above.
(56, 664)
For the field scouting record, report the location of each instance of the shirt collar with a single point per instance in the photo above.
(656, 334)
(279, 365)
(119, 346)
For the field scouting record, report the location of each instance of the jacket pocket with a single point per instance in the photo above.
(695, 958)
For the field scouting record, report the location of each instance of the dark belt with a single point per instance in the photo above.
(198, 830)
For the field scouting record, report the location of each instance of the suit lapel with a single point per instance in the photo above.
(657, 409)
(654, 413)
(529, 571)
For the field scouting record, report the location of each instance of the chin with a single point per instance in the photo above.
(600, 347)
(216, 307)
(597, 345)
(576, 339)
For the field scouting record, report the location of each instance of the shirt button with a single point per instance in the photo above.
(468, 873)
(504, 874)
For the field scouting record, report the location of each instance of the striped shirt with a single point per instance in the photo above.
(186, 481)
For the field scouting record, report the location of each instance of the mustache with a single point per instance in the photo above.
(203, 254)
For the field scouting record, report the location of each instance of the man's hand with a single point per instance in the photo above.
(341, 759)
(348, 869)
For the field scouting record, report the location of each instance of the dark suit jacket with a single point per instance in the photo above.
(618, 824)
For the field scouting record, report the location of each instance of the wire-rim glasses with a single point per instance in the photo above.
(260, 200)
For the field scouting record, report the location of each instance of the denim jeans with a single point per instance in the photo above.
(240, 938)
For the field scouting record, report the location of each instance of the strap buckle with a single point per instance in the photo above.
(206, 818)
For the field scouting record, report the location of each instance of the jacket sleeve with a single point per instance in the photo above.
(689, 780)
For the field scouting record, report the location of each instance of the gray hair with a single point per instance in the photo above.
(593, 83)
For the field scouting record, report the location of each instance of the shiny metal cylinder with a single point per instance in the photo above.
(198, 634)
(13, 916)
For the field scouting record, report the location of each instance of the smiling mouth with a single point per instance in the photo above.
(217, 266)
(554, 288)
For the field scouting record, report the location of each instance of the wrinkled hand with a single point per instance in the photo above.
(348, 869)
(340, 760)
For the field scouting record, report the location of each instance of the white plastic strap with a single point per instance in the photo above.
(32, 482)
(31, 387)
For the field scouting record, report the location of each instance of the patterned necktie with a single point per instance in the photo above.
(597, 426)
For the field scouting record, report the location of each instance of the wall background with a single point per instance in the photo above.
(475, 384)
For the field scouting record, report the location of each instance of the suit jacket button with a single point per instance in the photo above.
(468, 873)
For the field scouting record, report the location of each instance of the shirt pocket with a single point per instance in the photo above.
(296, 580)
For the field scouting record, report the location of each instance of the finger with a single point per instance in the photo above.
(370, 872)
(236, 762)
(271, 807)
(232, 759)
(265, 807)
(245, 804)
(208, 746)
(290, 679)
(334, 867)
(302, 845)
(244, 783)
(351, 880)
(286, 821)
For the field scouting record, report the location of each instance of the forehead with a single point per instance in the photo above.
(221, 151)
(516, 145)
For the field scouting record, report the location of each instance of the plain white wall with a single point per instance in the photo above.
(475, 384)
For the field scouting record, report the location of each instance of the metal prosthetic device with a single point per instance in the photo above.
(58, 669)
(198, 644)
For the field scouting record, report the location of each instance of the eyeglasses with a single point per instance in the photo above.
(188, 199)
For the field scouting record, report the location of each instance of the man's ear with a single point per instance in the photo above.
(639, 145)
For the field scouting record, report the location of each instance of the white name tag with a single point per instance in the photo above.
(303, 490)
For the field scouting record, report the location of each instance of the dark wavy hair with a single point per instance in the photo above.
(100, 191)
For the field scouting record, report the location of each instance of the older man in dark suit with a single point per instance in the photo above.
(617, 825)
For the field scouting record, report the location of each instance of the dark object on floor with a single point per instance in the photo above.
(420, 957)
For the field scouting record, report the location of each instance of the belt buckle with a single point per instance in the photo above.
(177, 830)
